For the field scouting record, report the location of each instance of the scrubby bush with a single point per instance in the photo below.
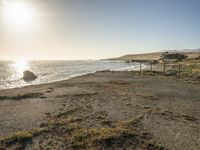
(177, 56)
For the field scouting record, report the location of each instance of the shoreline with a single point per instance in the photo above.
(14, 83)
(56, 81)
(100, 100)
(51, 82)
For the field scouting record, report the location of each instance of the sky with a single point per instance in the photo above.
(96, 29)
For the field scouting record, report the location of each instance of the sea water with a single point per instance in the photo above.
(11, 72)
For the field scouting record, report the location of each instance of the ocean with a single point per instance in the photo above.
(11, 72)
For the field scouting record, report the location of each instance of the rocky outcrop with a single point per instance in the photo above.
(196, 77)
(170, 72)
(28, 75)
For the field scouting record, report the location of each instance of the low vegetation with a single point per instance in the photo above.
(18, 140)
(177, 56)
(191, 70)
(23, 96)
(72, 135)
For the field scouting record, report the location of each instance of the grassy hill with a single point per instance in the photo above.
(154, 56)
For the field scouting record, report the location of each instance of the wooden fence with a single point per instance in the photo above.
(178, 67)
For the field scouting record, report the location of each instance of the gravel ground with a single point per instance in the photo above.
(169, 109)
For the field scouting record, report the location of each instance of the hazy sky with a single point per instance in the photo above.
(92, 29)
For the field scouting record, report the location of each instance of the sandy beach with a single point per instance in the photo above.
(119, 109)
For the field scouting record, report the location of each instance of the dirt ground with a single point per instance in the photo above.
(104, 110)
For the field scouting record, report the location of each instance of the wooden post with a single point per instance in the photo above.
(179, 69)
(140, 66)
(164, 67)
(151, 66)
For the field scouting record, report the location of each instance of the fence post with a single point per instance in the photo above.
(140, 66)
(164, 67)
(151, 66)
(179, 69)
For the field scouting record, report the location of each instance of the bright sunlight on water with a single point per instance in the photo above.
(20, 66)
(11, 72)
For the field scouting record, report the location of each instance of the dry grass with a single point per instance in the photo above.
(153, 56)
(97, 138)
(191, 70)
(23, 96)
(127, 134)
(19, 139)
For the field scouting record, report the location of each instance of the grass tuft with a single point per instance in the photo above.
(22, 136)
(106, 137)
(24, 96)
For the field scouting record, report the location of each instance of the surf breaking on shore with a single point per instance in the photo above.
(11, 73)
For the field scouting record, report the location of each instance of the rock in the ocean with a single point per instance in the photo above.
(170, 72)
(28, 75)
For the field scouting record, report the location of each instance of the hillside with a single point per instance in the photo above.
(154, 56)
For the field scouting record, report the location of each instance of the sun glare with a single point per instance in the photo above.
(20, 66)
(18, 14)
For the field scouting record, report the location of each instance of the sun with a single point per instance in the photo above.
(18, 13)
